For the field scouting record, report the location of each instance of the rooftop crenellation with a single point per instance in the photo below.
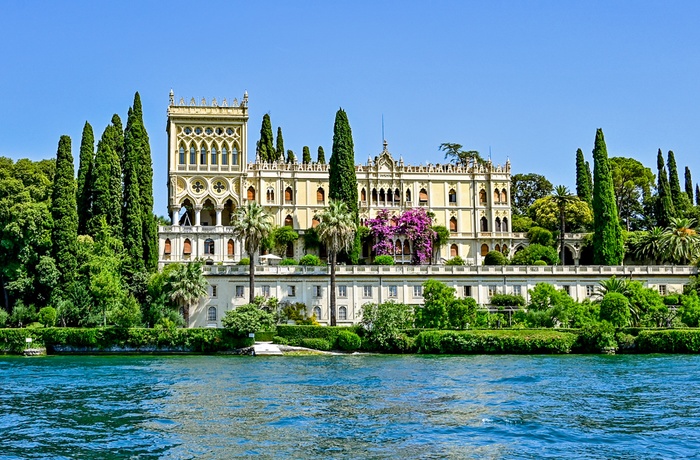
(213, 102)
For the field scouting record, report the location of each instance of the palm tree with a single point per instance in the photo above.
(562, 197)
(251, 224)
(336, 230)
(680, 241)
(458, 156)
(649, 246)
(618, 285)
(187, 285)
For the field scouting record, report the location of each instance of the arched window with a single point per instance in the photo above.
(288, 221)
(214, 153)
(408, 195)
(168, 247)
(288, 195)
(406, 248)
(484, 224)
(374, 196)
(454, 250)
(193, 155)
(453, 224)
(505, 224)
(382, 196)
(452, 197)
(397, 196)
(315, 222)
(498, 224)
(187, 247)
(398, 247)
(224, 155)
(211, 314)
(270, 195)
(317, 312)
(342, 313)
(484, 249)
(209, 246)
(321, 196)
(504, 249)
(182, 154)
(203, 155)
(290, 251)
(482, 197)
(363, 195)
(504, 196)
(251, 193)
(497, 248)
(234, 156)
(230, 248)
(423, 196)
(496, 196)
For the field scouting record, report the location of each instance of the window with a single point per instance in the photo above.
(590, 290)
(211, 314)
(482, 197)
(517, 290)
(497, 248)
(193, 155)
(423, 196)
(504, 197)
(209, 246)
(230, 248)
(187, 247)
(182, 154)
(288, 195)
(492, 290)
(291, 291)
(168, 247)
(224, 156)
(251, 194)
(406, 248)
(239, 291)
(505, 224)
(467, 291)
(498, 224)
(484, 224)
(453, 197)
(203, 155)
(453, 224)
(366, 291)
(393, 291)
(662, 289)
(234, 156)
(342, 291)
(270, 195)
(188, 130)
(418, 291)
(454, 251)
(265, 290)
(315, 222)
(214, 153)
(213, 291)
(289, 221)
(496, 196)
(317, 312)
(318, 291)
(343, 313)
(321, 196)
(363, 195)
(567, 289)
(408, 195)
(484, 249)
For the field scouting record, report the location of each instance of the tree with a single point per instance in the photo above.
(615, 308)
(266, 147)
(534, 253)
(608, 244)
(306, 155)
(279, 151)
(583, 186)
(64, 212)
(342, 181)
(106, 184)
(186, 285)
(84, 195)
(677, 195)
(336, 230)
(648, 246)
(545, 213)
(688, 184)
(697, 195)
(251, 224)
(132, 217)
(562, 197)
(248, 319)
(664, 201)
(442, 236)
(680, 241)
(457, 156)
(283, 237)
(321, 158)
(525, 189)
(632, 183)
(384, 323)
(291, 157)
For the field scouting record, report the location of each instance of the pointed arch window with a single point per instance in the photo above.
(496, 196)
(497, 248)
(363, 195)
(187, 247)
(505, 224)
(423, 196)
(374, 196)
(209, 246)
(193, 155)
(224, 155)
(230, 247)
(498, 224)
(504, 197)
(270, 195)
(182, 154)
(406, 248)
(484, 224)
(288, 194)
(408, 195)
(453, 224)
(452, 197)
(203, 155)
(482, 197)
(315, 222)
(168, 247)
(289, 221)
(321, 196)
(484, 249)
(214, 155)
(382, 196)
(454, 250)
(251, 193)
(397, 196)
(398, 247)
(234, 156)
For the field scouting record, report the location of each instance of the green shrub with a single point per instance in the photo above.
(289, 262)
(539, 262)
(248, 319)
(671, 299)
(384, 260)
(507, 300)
(501, 341)
(456, 260)
(596, 338)
(495, 258)
(4, 316)
(615, 308)
(47, 316)
(541, 236)
(280, 340)
(625, 342)
(244, 261)
(669, 341)
(349, 341)
(536, 252)
(310, 260)
(264, 336)
(294, 334)
(316, 344)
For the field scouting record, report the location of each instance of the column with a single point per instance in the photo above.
(175, 215)
(197, 215)
(219, 209)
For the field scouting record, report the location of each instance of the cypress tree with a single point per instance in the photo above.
(267, 151)
(342, 181)
(589, 179)
(85, 171)
(697, 195)
(118, 141)
(64, 235)
(279, 152)
(675, 184)
(664, 203)
(305, 155)
(321, 157)
(145, 177)
(583, 190)
(106, 187)
(291, 157)
(608, 244)
(688, 184)
(132, 211)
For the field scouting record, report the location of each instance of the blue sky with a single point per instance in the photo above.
(531, 81)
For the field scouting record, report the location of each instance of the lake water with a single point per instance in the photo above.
(183, 407)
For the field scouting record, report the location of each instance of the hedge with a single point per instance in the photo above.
(489, 342)
(294, 334)
(669, 341)
(131, 339)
